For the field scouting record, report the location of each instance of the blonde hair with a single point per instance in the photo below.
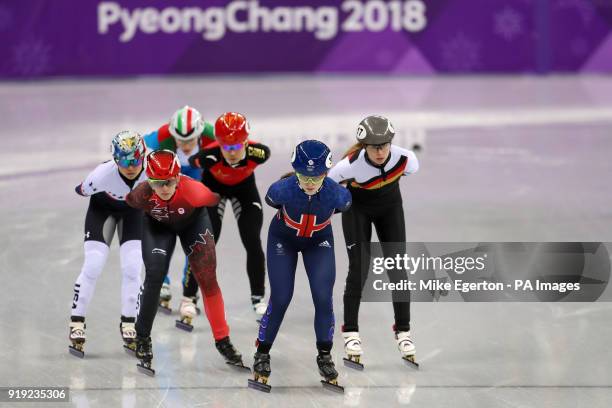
(354, 148)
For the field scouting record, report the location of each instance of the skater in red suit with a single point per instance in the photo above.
(175, 205)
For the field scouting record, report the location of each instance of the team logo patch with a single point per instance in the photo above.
(181, 211)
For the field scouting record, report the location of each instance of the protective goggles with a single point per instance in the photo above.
(162, 183)
(232, 147)
(310, 179)
(378, 146)
(125, 163)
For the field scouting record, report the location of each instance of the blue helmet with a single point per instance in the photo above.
(311, 158)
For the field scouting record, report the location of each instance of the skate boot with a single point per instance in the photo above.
(144, 353)
(406, 348)
(77, 337)
(329, 373)
(229, 353)
(165, 295)
(188, 312)
(352, 348)
(127, 327)
(259, 307)
(261, 370)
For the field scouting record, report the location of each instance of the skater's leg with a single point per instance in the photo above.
(99, 230)
(281, 260)
(131, 265)
(320, 267)
(250, 221)
(158, 243)
(391, 229)
(190, 284)
(198, 243)
(357, 229)
(129, 230)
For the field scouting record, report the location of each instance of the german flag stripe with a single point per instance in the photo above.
(394, 173)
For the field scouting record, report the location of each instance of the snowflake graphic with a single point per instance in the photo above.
(461, 54)
(31, 57)
(584, 8)
(6, 17)
(508, 24)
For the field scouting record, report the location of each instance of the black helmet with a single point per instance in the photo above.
(375, 130)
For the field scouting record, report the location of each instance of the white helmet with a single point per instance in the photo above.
(186, 124)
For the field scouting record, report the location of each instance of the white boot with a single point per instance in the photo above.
(187, 309)
(77, 333)
(259, 307)
(405, 344)
(128, 333)
(352, 346)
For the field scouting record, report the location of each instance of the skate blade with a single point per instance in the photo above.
(239, 365)
(183, 326)
(259, 386)
(130, 349)
(145, 369)
(164, 308)
(410, 362)
(353, 364)
(76, 352)
(332, 387)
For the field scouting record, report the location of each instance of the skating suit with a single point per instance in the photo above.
(108, 210)
(377, 201)
(107, 213)
(236, 186)
(185, 216)
(162, 139)
(302, 224)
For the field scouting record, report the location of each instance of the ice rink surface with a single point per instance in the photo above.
(504, 159)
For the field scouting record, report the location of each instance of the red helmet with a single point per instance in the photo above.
(162, 165)
(231, 128)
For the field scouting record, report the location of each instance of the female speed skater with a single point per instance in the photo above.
(372, 168)
(108, 212)
(175, 205)
(185, 134)
(306, 202)
(229, 166)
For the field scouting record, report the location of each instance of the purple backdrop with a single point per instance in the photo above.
(90, 37)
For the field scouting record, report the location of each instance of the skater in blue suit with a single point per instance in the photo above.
(306, 202)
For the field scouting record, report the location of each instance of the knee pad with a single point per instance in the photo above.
(131, 259)
(96, 254)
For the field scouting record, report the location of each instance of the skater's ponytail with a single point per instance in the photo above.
(287, 175)
(354, 148)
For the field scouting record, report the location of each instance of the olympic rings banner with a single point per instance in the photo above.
(42, 38)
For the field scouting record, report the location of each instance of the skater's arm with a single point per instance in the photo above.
(273, 196)
(413, 163)
(94, 181)
(344, 199)
(205, 158)
(139, 196)
(198, 195)
(341, 171)
(257, 152)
